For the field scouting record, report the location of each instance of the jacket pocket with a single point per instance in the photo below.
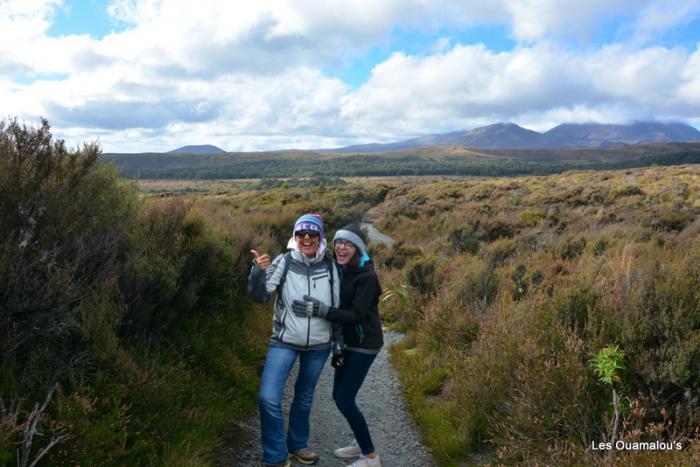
(317, 278)
(295, 329)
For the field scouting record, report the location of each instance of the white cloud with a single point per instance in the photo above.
(689, 89)
(248, 75)
(134, 11)
(657, 17)
(536, 19)
(412, 95)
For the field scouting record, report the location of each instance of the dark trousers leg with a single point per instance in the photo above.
(346, 383)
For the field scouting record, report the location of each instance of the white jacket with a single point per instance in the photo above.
(318, 278)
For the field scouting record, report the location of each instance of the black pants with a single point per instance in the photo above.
(346, 384)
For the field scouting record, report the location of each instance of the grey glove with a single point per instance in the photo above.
(309, 307)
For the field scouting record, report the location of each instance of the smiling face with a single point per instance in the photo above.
(307, 242)
(344, 252)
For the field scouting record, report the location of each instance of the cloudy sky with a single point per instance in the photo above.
(153, 75)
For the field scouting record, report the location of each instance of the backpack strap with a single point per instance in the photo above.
(283, 277)
(330, 265)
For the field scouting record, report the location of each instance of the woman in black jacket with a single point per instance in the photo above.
(362, 330)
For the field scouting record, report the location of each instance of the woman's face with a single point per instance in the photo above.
(307, 242)
(344, 252)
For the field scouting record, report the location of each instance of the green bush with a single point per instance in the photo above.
(400, 254)
(478, 287)
(447, 324)
(671, 220)
(491, 230)
(572, 248)
(65, 221)
(99, 292)
(420, 274)
(550, 408)
(501, 250)
(531, 218)
(463, 240)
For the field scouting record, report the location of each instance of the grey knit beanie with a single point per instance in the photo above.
(353, 234)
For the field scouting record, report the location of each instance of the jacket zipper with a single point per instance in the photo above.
(308, 320)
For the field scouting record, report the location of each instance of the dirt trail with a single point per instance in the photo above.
(376, 237)
(395, 435)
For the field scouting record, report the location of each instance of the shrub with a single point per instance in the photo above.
(547, 414)
(500, 250)
(519, 281)
(64, 223)
(463, 239)
(531, 218)
(671, 220)
(491, 230)
(478, 287)
(600, 246)
(126, 304)
(400, 255)
(574, 306)
(572, 248)
(447, 324)
(420, 274)
(542, 303)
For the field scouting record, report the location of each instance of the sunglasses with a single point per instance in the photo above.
(304, 233)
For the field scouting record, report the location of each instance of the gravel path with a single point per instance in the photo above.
(395, 435)
(376, 237)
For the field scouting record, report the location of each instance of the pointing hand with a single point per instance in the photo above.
(262, 261)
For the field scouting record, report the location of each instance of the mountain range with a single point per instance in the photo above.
(512, 136)
(566, 135)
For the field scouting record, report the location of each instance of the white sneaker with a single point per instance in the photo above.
(350, 451)
(367, 462)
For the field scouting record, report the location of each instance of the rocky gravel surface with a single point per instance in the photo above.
(394, 433)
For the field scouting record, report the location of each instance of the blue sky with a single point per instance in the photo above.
(84, 17)
(152, 75)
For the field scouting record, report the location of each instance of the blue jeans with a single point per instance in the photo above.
(278, 364)
(346, 383)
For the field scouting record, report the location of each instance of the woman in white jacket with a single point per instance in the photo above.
(304, 270)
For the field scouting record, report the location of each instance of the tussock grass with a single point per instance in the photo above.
(530, 278)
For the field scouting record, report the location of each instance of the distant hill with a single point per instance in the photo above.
(570, 135)
(496, 136)
(198, 149)
(429, 160)
(567, 135)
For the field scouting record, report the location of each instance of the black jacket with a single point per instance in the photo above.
(358, 311)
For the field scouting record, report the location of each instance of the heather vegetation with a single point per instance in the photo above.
(530, 301)
(126, 334)
(543, 314)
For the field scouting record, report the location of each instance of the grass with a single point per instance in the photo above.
(424, 382)
(556, 268)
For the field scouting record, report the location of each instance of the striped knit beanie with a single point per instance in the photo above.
(309, 222)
